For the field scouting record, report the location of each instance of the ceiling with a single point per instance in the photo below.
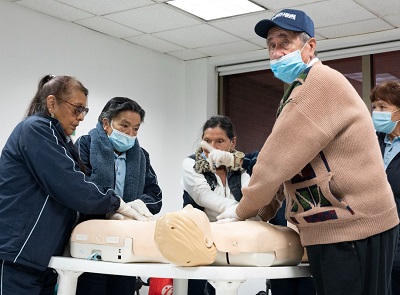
(160, 27)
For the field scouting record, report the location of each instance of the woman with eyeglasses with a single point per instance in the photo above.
(42, 187)
(114, 158)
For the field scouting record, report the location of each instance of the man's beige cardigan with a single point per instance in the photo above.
(324, 149)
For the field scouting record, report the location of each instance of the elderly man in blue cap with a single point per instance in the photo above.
(290, 42)
(323, 148)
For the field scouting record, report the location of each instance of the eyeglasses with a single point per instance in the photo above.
(78, 109)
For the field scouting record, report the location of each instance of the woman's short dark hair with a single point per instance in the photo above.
(387, 91)
(62, 87)
(222, 122)
(119, 104)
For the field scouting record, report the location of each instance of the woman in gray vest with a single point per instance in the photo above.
(213, 187)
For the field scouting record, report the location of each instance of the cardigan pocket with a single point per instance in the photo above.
(311, 199)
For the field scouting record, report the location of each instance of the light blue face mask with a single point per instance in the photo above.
(383, 121)
(121, 141)
(288, 67)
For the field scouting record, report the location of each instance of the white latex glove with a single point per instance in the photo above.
(229, 215)
(141, 208)
(125, 211)
(219, 157)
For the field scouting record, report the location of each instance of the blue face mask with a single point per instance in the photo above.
(121, 141)
(288, 67)
(383, 121)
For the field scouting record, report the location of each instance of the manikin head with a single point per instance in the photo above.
(184, 237)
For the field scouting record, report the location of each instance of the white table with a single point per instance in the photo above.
(225, 279)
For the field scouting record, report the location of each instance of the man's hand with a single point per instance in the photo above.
(136, 210)
(219, 157)
(229, 215)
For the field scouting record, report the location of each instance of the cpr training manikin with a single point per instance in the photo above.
(187, 238)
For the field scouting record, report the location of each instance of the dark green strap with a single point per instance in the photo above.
(285, 99)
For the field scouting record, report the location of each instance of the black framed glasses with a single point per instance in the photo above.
(77, 109)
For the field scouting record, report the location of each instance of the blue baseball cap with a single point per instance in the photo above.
(287, 19)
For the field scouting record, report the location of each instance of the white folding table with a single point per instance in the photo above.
(225, 279)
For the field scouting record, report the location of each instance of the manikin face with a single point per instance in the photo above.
(66, 111)
(127, 122)
(218, 139)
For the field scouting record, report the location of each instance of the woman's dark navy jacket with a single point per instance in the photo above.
(41, 190)
(392, 171)
(393, 175)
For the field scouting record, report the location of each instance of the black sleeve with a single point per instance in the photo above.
(152, 194)
(249, 161)
(82, 146)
